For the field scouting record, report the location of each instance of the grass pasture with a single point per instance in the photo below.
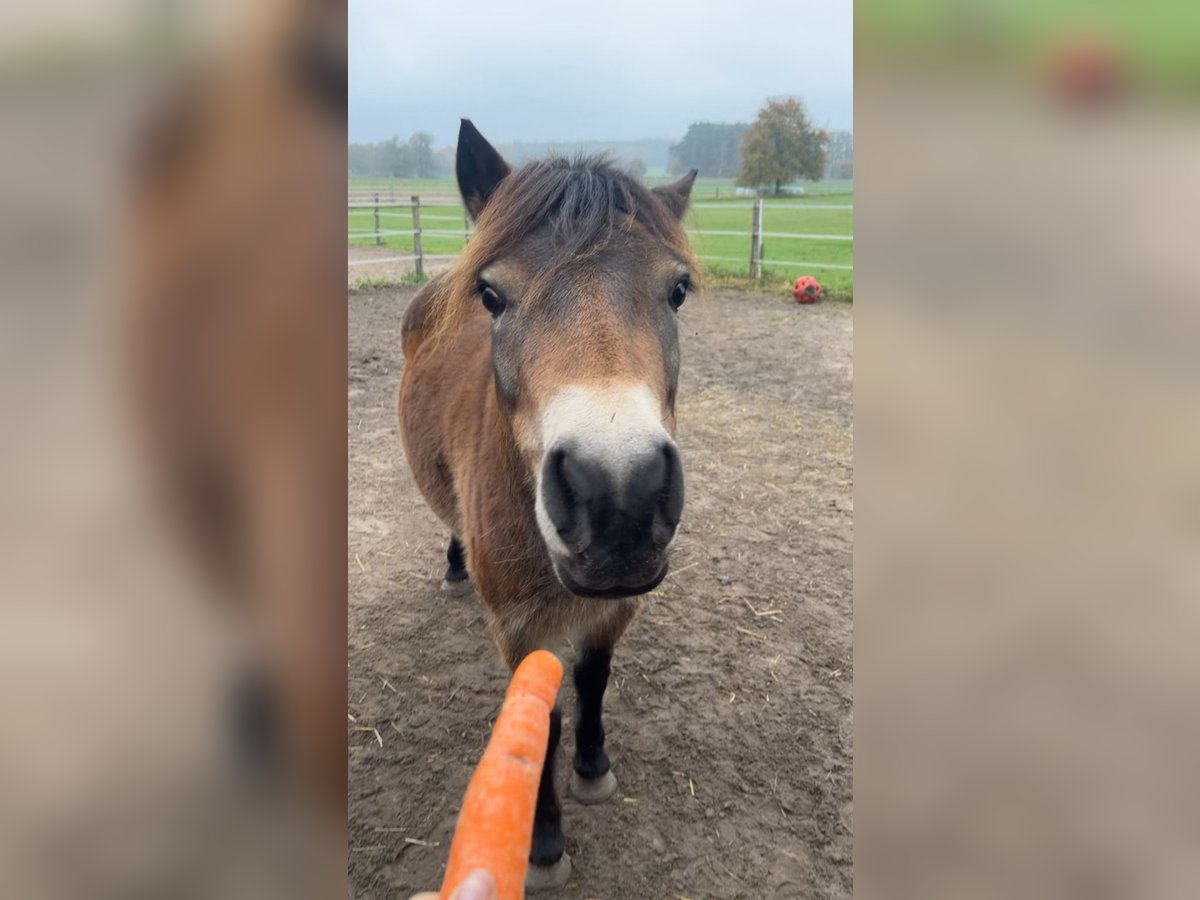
(730, 254)
(443, 229)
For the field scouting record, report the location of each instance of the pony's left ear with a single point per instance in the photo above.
(677, 194)
(479, 167)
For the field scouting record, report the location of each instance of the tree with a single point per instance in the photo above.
(840, 155)
(420, 152)
(709, 147)
(359, 158)
(393, 159)
(443, 162)
(781, 146)
(843, 169)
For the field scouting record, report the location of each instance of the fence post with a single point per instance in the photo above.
(466, 228)
(416, 211)
(377, 240)
(756, 239)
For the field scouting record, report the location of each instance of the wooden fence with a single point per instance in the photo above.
(383, 208)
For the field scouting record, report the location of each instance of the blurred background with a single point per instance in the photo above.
(172, 468)
(1027, 443)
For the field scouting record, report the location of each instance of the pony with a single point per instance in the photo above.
(537, 413)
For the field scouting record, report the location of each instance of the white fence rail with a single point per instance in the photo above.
(384, 209)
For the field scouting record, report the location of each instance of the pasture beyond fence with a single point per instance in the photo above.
(427, 227)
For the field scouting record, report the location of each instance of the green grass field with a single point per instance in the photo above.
(1157, 41)
(722, 254)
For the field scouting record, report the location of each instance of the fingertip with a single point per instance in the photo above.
(478, 885)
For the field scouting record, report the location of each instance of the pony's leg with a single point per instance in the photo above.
(593, 780)
(550, 866)
(456, 581)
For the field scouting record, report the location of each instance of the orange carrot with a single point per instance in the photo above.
(495, 826)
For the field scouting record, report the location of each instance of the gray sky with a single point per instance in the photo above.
(607, 69)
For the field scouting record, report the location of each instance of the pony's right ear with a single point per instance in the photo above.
(478, 166)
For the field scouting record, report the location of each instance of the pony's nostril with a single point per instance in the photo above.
(645, 484)
(568, 485)
(653, 495)
(670, 497)
(556, 495)
(579, 480)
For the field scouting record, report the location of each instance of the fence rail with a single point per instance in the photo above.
(756, 233)
(773, 205)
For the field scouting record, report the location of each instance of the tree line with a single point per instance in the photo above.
(779, 148)
(393, 158)
(405, 159)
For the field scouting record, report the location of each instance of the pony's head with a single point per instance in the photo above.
(583, 271)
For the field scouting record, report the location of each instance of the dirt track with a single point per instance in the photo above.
(729, 715)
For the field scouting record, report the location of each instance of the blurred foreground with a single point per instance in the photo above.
(172, 471)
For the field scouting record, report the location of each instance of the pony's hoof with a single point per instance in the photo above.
(589, 791)
(548, 878)
(456, 588)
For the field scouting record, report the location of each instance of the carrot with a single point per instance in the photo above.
(495, 826)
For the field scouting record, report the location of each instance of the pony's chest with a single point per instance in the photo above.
(574, 622)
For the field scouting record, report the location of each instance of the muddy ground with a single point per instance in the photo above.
(729, 716)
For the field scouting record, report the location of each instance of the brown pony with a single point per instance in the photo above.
(537, 409)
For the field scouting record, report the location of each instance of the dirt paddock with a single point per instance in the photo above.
(729, 714)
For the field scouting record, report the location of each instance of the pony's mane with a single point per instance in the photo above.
(583, 201)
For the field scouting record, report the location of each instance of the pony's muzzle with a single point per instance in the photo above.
(613, 519)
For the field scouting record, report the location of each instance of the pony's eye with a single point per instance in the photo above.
(679, 293)
(492, 301)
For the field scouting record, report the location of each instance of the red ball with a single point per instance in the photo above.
(1087, 69)
(806, 289)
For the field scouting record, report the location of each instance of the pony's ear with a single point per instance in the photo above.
(478, 166)
(677, 194)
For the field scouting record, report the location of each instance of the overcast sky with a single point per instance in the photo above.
(606, 69)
